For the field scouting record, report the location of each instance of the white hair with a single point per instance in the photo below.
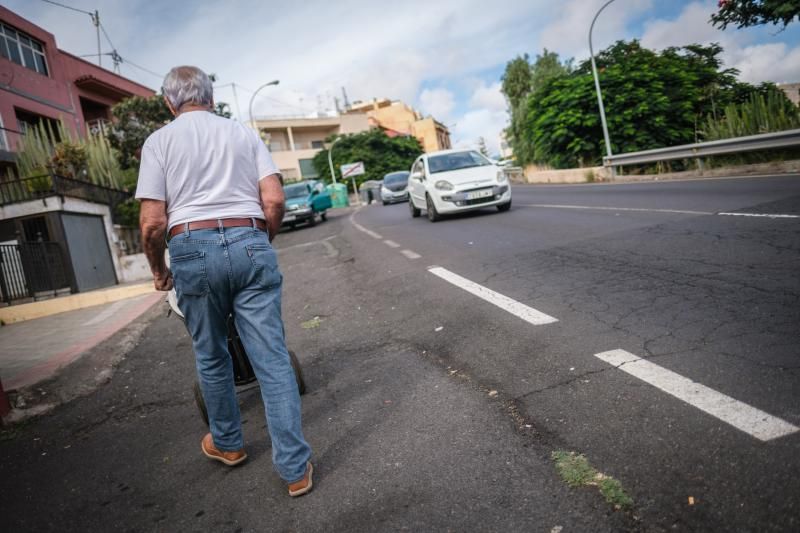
(187, 85)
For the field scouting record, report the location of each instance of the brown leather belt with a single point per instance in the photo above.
(213, 224)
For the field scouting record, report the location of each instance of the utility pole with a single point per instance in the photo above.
(236, 100)
(96, 22)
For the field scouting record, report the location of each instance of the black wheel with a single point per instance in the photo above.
(313, 220)
(323, 216)
(414, 211)
(504, 207)
(385, 203)
(298, 372)
(292, 225)
(201, 403)
(433, 214)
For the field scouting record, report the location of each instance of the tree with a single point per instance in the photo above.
(746, 13)
(651, 99)
(520, 80)
(135, 118)
(380, 154)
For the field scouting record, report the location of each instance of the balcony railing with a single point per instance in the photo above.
(27, 189)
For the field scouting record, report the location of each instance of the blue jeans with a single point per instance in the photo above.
(235, 270)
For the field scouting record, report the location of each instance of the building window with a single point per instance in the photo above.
(22, 49)
(3, 140)
(317, 145)
(307, 169)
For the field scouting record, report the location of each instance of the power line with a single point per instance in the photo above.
(131, 63)
(69, 7)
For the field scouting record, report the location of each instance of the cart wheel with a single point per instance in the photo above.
(298, 372)
(201, 403)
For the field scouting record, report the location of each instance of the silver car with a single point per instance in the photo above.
(394, 187)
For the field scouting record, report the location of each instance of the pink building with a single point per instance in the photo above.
(39, 82)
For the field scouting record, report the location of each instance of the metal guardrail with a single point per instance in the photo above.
(764, 141)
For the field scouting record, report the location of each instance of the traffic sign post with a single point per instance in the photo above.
(352, 170)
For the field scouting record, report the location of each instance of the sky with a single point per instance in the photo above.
(444, 57)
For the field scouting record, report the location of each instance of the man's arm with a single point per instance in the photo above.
(153, 225)
(272, 203)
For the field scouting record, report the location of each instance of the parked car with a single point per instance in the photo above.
(305, 200)
(395, 187)
(452, 181)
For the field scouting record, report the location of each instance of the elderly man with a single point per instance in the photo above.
(209, 188)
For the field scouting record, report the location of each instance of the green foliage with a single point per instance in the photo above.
(43, 151)
(69, 159)
(573, 468)
(102, 163)
(520, 80)
(652, 100)
(379, 153)
(745, 13)
(36, 148)
(135, 119)
(759, 114)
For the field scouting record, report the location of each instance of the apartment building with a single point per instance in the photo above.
(39, 82)
(398, 118)
(295, 141)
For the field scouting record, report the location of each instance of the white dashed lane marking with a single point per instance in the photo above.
(758, 215)
(648, 210)
(391, 244)
(410, 254)
(752, 421)
(528, 314)
(635, 209)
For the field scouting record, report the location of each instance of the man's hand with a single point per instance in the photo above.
(153, 225)
(272, 203)
(163, 282)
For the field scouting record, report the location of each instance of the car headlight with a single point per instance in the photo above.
(501, 176)
(443, 185)
(384, 190)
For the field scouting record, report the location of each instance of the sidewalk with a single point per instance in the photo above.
(32, 350)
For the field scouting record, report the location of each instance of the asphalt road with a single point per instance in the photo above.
(433, 409)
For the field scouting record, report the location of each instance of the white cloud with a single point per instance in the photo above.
(479, 123)
(772, 61)
(437, 102)
(488, 97)
(568, 33)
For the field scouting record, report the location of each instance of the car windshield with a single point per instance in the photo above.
(395, 177)
(456, 161)
(295, 191)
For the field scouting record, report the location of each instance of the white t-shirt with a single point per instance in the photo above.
(205, 167)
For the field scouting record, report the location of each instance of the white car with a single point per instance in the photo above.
(452, 181)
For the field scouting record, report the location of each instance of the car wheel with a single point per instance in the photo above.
(323, 216)
(504, 207)
(313, 220)
(433, 214)
(385, 203)
(414, 211)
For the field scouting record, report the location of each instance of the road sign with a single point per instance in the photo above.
(352, 169)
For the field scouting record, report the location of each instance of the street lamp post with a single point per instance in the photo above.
(252, 122)
(330, 159)
(597, 85)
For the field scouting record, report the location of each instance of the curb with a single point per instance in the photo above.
(29, 311)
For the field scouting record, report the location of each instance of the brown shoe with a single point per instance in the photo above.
(304, 484)
(229, 458)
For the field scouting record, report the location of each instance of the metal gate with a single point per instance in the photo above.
(30, 270)
(88, 251)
